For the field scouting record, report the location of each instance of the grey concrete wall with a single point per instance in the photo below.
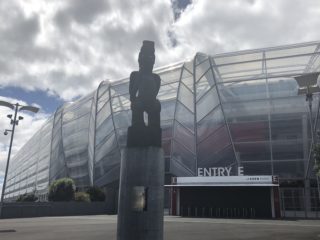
(42, 209)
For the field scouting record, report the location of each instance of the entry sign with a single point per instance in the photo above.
(218, 171)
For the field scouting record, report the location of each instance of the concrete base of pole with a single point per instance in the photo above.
(141, 194)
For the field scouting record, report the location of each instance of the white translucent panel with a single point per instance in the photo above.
(168, 91)
(241, 91)
(120, 89)
(202, 69)
(189, 66)
(167, 127)
(207, 103)
(287, 65)
(184, 137)
(288, 105)
(120, 103)
(235, 58)
(205, 83)
(289, 127)
(249, 131)
(103, 114)
(288, 150)
(282, 87)
(200, 58)
(183, 156)
(210, 123)
(289, 169)
(186, 97)
(315, 63)
(104, 130)
(257, 168)
(76, 113)
(103, 88)
(170, 76)
(102, 100)
(291, 51)
(247, 111)
(76, 141)
(106, 147)
(187, 79)
(122, 119)
(253, 151)
(75, 126)
(240, 71)
(184, 116)
(167, 109)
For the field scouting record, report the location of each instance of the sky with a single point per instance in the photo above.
(53, 51)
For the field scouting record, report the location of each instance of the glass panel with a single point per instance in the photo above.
(224, 158)
(249, 131)
(120, 103)
(104, 130)
(202, 87)
(288, 128)
(241, 91)
(257, 168)
(170, 76)
(187, 79)
(183, 156)
(186, 97)
(254, 151)
(122, 119)
(105, 148)
(247, 111)
(287, 150)
(291, 51)
(214, 143)
(184, 116)
(184, 136)
(290, 169)
(189, 66)
(240, 57)
(103, 114)
(167, 110)
(207, 103)
(210, 123)
(282, 87)
(120, 89)
(168, 91)
(292, 65)
(240, 71)
(167, 127)
(287, 106)
(202, 69)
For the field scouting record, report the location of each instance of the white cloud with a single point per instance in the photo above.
(68, 47)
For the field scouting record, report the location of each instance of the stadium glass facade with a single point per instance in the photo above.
(233, 109)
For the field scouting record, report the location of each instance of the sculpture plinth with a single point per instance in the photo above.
(141, 194)
(140, 214)
(144, 136)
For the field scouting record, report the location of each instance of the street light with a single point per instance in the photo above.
(308, 86)
(16, 107)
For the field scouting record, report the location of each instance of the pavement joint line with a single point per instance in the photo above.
(243, 223)
(7, 230)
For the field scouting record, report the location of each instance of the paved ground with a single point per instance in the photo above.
(176, 228)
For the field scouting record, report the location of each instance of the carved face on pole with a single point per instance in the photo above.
(146, 56)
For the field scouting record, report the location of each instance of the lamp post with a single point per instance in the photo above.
(16, 107)
(308, 86)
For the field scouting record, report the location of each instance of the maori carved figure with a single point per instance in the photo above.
(143, 88)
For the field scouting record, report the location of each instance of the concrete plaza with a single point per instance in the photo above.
(176, 228)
